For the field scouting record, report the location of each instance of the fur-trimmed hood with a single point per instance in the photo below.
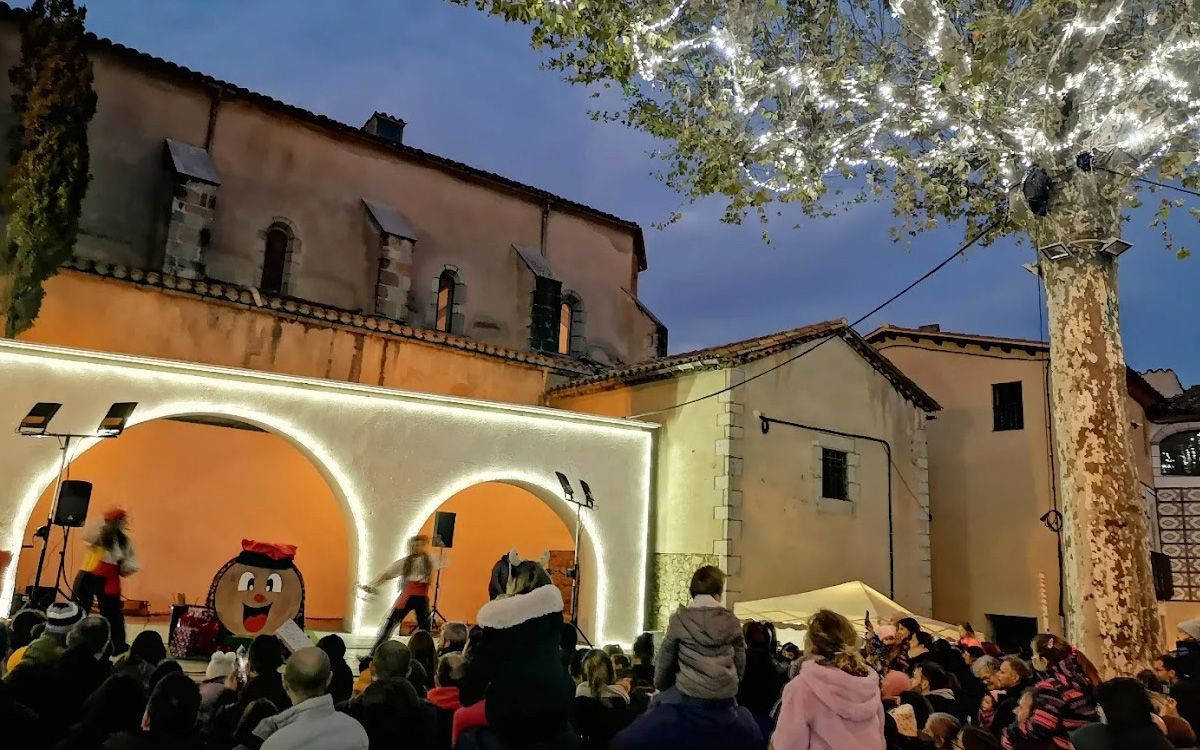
(513, 610)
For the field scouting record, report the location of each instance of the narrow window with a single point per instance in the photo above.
(565, 315)
(445, 302)
(1008, 411)
(835, 484)
(274, 261)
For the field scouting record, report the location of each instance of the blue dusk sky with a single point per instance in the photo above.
(470, 88)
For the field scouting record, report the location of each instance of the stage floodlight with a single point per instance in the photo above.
(588, 497)
(1114, 246)
(1055, 252)
(568, 491)
(36, 422)
(114, 421)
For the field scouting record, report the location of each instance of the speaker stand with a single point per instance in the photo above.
(574, 574)
(434, 613)
(62, 467)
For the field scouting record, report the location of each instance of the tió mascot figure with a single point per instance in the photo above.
(258, 591)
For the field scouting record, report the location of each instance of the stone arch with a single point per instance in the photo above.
(1160, 432)
(595, 577)
(458, 298)
(327, 466)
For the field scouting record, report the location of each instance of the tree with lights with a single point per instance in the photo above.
(47, 177)
(1028, 117)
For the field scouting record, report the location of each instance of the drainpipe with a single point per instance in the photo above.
(766, 423)
(214, 103)
(545, 226)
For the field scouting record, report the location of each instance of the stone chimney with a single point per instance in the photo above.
(931, 328)
(385, 126)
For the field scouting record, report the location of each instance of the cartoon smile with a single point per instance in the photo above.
(254, 618)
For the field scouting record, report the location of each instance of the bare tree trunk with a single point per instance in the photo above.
(1112, 614)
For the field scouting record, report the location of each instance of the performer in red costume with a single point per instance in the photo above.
(109, 558)
(414, 572)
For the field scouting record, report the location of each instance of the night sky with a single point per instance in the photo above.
(471, 89)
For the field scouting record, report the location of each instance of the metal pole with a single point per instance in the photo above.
(62, 467)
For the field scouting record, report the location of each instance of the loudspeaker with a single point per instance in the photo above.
(73, 501)
(1164, 582)
(443, 529)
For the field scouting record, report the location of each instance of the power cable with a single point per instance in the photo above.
(994, 223)
(1148, 181)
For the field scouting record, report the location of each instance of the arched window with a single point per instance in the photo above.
(444, 319)
(275, 258)
(1179, 454)
(566, 314)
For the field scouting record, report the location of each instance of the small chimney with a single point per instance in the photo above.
(385, 126)
(931, 328)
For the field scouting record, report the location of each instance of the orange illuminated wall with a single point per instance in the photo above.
(492, 518)
(193, 492)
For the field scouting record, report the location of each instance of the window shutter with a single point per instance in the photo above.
(544, 315)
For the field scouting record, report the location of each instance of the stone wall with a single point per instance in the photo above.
(669, 583)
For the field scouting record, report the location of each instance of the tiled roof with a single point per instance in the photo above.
(301, 310)
(1138, 386)
(742, 352)
(1180, 407)
(231, 90)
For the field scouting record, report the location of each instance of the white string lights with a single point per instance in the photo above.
(1127, 78)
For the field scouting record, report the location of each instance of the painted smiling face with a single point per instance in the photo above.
(259, 590)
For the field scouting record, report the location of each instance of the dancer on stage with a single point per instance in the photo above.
(109, 558)
(414, 572)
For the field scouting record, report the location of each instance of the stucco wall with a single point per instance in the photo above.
(987, 489)
(86, 312)
(276, 168)
(822, 542)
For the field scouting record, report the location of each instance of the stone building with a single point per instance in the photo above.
(839, 495)
(992, 478)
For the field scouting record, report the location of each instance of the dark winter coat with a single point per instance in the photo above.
(703, 652)
(231, 706)
(18, 723)
(393, 715)
(761, 685)
(516, 666)
(485, 738)
(1100, 737)
(1186, 693)
(1005, 712)
(694, 724)
(598, 720)
(143, 741)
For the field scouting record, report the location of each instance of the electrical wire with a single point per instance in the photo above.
(993, 224)
(1148, 181)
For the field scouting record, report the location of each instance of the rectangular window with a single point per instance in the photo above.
(1008, 411)
(835, 484)
(545, 315)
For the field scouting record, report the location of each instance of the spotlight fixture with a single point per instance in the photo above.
(1055, 252)
(1115, 246)
(35, 423)
(589, 498)
(114, 421)
(568, 490)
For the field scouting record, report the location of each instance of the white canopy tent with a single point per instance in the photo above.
(853, 600)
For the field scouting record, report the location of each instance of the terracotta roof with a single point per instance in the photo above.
(233, 91)
(1141, 390)
(749, 350)
(286, 307)
(1182, 407)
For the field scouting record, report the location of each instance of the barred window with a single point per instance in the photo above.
(835, 482)
(1008, 410)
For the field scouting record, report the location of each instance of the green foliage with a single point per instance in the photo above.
(47, 177)
(939, 106)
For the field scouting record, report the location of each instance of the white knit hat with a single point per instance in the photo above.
(1191, 627)
(220, 665)
(61, 617)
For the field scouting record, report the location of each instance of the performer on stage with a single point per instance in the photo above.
(414, 572)
(109, 558)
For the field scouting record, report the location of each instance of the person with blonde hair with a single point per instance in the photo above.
(834, 702)
(601, 708)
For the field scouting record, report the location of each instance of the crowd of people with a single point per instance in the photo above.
(518, 679)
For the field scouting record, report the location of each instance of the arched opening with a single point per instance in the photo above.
(275, 258)
(1179, 454)
(490, 519)
(444, 320)
(193, 490)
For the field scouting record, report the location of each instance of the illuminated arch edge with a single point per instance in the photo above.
(310, 447)
(547, 490)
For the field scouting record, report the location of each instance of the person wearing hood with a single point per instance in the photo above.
(834, 702)
(703, 654)
(1127, 720)
(1062, 701)
(601, 709)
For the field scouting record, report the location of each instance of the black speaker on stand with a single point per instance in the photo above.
(70, 512)
(443, 539)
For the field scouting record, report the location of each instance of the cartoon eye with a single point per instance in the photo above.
(274, 583)
(246, 582)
